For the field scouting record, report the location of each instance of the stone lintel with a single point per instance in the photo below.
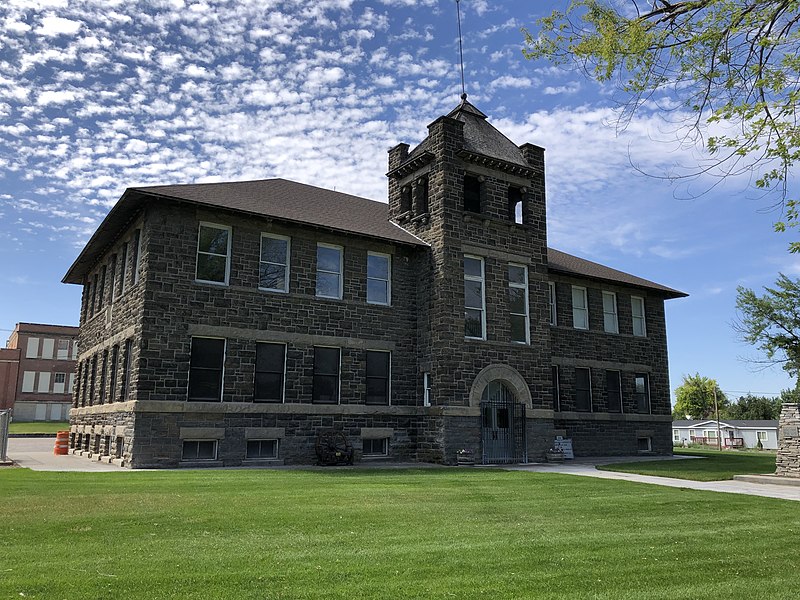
(631, 417)
(290, 337)
(202, 433)
(376, 433)
(264, 433)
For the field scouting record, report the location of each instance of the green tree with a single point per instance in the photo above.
(735, 63)
(694, 398)
(772, 322)
(754, 407)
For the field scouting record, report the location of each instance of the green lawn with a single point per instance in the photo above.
(426, 533)
(37, 427)
(713, 466)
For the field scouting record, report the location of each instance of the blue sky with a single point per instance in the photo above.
(100, 95)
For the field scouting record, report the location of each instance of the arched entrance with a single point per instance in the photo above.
(503, 438)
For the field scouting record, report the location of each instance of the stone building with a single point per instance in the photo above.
(37, 371)
(231, 323)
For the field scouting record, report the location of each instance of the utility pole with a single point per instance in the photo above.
(716, 414)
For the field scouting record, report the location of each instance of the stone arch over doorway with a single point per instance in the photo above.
(505, 374)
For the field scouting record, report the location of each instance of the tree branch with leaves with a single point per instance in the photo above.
(734, 64)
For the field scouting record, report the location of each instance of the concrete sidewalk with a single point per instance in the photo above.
(37, 454)
(587, 468)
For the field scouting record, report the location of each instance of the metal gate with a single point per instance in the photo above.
(503, 439)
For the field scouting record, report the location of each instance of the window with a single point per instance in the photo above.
(126, 370)
(32, 350)
(273, 274)
(206, 369)
(379, 278)
(710, 433)
(692, 433)
(63, 350)
(514, 204)
(74, 350)
(329, 271)
(112, 278)
(405, 199)
(71, 383)
(518, 303)
(637, 309)
(641, 394)
(101, 296)
(270, 368)
(103, 369)
(59, 383)
(263, 449)
(377, 447)
(583, 390)
(123, 269)
(556, 388)
(551, 285)
(762, 436)
(614, 391)
(48, 345)
(199, 450)
(378, 374)
(421, 207)
(93, 305)
(426, 389)
(112, 383)
(472, 193)
(610, 323)
(676, 435)
(28, 378)
(213, 253)
(137, 254)
(326, 375)
(92, 379)
(44, 383)
(644, 444)
(580, 308)
(474, 302)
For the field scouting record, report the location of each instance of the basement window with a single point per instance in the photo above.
(376, 448)
(199, 450)
(262, 449)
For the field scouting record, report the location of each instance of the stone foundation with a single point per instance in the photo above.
(787, 463)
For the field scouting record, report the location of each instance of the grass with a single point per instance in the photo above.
(37, 427)
(427, 533)
(713, 466)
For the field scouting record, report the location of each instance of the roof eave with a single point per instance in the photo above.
(668, 293)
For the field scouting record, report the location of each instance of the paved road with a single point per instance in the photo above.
(37, 454)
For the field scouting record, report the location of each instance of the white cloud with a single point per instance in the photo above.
(53, 26)
(56, 97)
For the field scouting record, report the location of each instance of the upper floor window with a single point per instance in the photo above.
(378, 374)
(123, 268)
(213, 253)
(205, 369)
(474, 301)
(551, 286)
(270, 369)
(273, 272)
(518, 302)
(101, 297)
(379, 278)
(421, 200)
(112, 278)
(637, 310)
(325, 388)
(32, 351)
(62, 353)
(580, 308)
(472, 193)
(641, 393)
(405, 198)
(610, 322)
(136, 244)
(48, 345)
(583, 389)
(329, 271)
(514, 204)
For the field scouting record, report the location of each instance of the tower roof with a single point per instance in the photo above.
(480, 137)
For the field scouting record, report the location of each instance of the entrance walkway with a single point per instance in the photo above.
(37, 454)
(586, 467)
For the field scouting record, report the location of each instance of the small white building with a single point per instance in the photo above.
(736, 433)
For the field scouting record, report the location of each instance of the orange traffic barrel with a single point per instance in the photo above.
(62, 443)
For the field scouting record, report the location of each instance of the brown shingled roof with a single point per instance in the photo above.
(572, 265)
